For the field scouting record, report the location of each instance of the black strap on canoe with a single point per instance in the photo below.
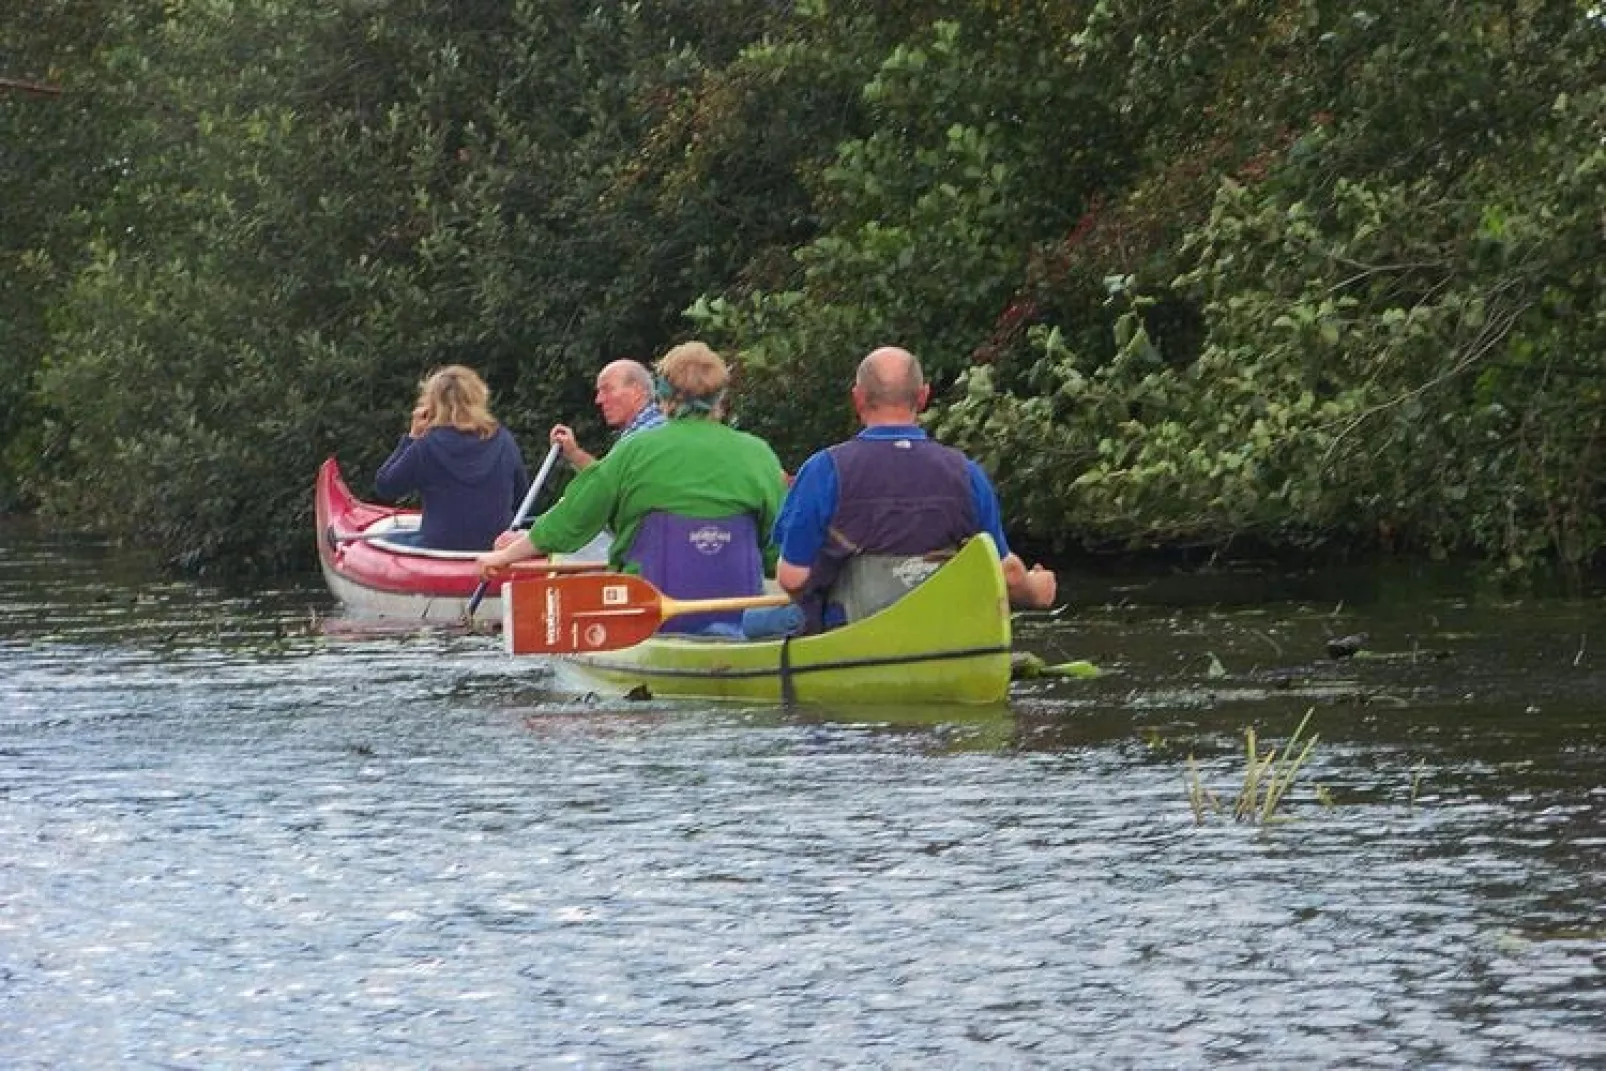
(788, 687)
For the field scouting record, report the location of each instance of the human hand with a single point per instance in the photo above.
(1042, 586)
(1029, 589)
(420, 424)
(562, 436)
(510, 547)
(495, 564)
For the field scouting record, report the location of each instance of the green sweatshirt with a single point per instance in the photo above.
(692, 466)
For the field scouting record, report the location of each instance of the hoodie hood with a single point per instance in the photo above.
(466, 457)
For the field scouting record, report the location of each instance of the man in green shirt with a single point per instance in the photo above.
(694, 466)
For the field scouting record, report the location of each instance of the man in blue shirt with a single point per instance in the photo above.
(891, 493)
(625, 396)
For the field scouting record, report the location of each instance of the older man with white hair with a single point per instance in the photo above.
(625, 396)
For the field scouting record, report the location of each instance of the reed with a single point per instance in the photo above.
(1200, 798)
(1416, 783)
(1268, 777)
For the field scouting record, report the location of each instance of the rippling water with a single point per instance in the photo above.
(237, 832)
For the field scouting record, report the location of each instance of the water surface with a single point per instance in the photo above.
(239, 830)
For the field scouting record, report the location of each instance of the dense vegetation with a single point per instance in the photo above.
(1183, 273)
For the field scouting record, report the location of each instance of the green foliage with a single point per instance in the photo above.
(312, 207)
(1184, 272)
(1392, 350)
(51, 158)
(974, 148)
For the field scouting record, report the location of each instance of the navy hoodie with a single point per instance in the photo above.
(469, 486)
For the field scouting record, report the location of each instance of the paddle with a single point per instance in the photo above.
(599, 612)
(340, 539)
(546, 567)
(539, 567)
(518, 519)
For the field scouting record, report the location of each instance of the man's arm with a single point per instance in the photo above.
(791, 577)
(1029, 589)
(774, 488)
(510, 547)
(582, 512)
(805, 516)
(562, 436)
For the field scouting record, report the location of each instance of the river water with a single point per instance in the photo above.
(237, 830)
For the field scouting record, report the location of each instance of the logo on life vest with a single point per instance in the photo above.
(913, 571)
(596, 635)
(709, 539)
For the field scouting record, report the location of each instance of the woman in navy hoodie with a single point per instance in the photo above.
(465, 467)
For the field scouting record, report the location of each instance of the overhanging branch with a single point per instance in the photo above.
(39, 89)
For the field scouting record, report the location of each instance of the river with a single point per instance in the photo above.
(240, 830)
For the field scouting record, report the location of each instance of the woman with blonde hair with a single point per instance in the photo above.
(464, 466)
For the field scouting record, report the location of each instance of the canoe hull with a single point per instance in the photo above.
(947, 641)
(371, 579)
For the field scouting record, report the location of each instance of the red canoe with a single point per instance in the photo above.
(371, 576)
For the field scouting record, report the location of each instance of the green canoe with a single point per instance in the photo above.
(947, 641)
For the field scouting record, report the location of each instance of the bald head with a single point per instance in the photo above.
(889, 381)
(626, 372)
(624, 388)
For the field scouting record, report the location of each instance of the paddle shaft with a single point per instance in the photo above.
(518, 519)
(342, 538)
(524, 568)
(535, 486)
(547, 567)
(676, 607)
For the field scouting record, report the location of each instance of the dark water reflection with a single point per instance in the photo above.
(235, 835)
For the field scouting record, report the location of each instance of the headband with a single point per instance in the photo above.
(666, 392)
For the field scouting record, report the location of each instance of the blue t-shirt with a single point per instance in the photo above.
(811, 503)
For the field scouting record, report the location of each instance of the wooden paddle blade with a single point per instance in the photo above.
(578, 613)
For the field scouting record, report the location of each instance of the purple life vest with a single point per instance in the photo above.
(894, 497)
(698, 558)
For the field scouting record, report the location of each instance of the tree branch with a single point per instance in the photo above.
(39, 89)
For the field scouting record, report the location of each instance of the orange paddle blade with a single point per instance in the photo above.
(596, 612)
